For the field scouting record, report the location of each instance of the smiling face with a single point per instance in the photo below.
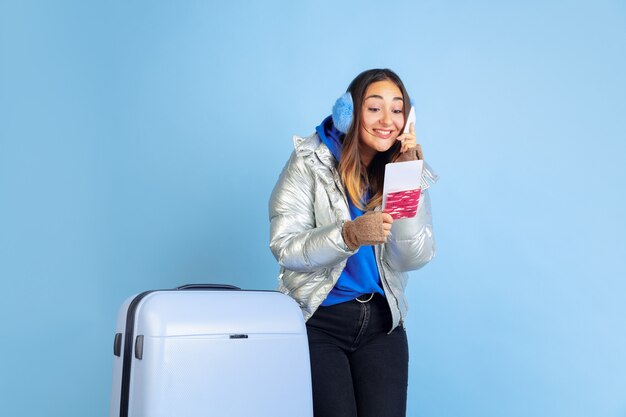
(382, 119)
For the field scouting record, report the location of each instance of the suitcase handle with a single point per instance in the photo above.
(207, 287)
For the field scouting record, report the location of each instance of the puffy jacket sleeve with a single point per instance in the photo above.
(411, 244)
(297, 243)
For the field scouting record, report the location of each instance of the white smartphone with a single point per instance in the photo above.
(409, 120)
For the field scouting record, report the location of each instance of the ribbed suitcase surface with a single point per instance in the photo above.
(211, 352)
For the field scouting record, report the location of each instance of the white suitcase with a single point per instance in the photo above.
(211, 351)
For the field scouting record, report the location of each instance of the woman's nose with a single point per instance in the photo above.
(386, 118)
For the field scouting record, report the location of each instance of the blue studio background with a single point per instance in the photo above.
(140, 140)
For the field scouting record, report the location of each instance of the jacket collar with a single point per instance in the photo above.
(307, 146)
(317, 155)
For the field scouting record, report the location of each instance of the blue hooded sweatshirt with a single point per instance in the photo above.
(360, 276)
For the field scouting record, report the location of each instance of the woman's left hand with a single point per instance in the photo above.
(408, 140)
(411, 150)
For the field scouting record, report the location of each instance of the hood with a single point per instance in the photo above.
(331, 137)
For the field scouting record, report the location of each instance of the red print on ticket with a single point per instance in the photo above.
(403, 204)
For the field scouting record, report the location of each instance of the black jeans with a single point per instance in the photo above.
(357, 368)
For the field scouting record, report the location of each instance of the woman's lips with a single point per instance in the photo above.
(383, 133)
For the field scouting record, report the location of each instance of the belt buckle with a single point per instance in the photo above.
(365, 301)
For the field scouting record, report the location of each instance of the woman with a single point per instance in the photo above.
(342, 258)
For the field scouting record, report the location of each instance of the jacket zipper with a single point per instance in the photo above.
(386, 285)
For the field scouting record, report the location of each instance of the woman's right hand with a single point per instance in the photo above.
(372, 228)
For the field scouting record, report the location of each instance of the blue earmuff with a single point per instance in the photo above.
(342, 112)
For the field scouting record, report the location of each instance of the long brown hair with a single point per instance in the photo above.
(357, 178)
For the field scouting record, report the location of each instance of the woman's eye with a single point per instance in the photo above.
(373, 109)
(398, 111)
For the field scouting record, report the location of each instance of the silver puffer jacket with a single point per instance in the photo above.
(307, 209)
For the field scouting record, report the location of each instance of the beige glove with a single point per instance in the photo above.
(411, 154)
(371, 228)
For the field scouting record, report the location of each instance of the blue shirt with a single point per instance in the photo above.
(360, 275)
